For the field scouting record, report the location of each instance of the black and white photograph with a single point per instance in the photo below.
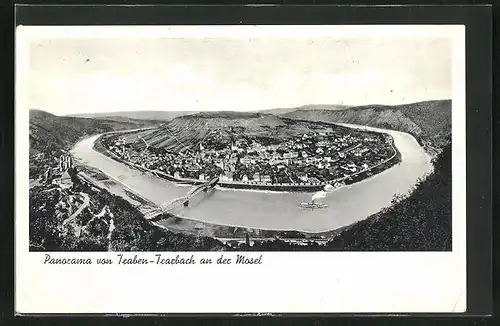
(325, 163)
(227, 142)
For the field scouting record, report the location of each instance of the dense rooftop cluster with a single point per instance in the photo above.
(310, 158)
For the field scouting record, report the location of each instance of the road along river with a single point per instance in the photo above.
(274, 210)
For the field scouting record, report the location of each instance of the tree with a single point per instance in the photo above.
(420, 220)
(44, 231)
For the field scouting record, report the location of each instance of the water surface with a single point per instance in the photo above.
(275, 210)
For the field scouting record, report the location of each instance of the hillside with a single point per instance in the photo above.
(51, 132)
(187, 131)
(428, 121)
(139, 122)
(135, 115)
(422, 221)
(130, 231)
(281, 111)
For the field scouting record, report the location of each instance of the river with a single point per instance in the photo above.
(275, 210)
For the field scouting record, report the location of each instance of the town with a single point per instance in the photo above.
(311, 158)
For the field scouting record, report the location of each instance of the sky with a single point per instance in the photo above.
(92, 75)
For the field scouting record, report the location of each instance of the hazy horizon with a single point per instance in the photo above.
(229, 110)
(91, 75)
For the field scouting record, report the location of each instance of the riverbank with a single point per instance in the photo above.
(284, 187)
(266, 210)
(176, 224)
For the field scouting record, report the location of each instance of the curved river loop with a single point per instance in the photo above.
(268, 210)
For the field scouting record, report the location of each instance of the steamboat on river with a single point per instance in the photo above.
(273, 210)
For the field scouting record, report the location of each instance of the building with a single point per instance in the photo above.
(298, 162)
(244, 178)
(256, 176)
(266, 178)
(64, 162)
(233, 159)
(66, 181)
(193, 168)
(302, 176)
(228, 176)
(314, 180)
(245, 160)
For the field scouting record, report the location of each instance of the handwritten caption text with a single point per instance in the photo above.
(157, 259)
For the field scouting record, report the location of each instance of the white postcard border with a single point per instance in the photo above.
(286, 282)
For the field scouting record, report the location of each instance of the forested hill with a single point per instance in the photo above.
(49, 132)
(429, 121)
(422, 221)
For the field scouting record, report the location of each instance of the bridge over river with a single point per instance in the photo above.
(184, 200)
(268, 210)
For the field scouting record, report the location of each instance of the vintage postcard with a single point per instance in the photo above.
(314, 162)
